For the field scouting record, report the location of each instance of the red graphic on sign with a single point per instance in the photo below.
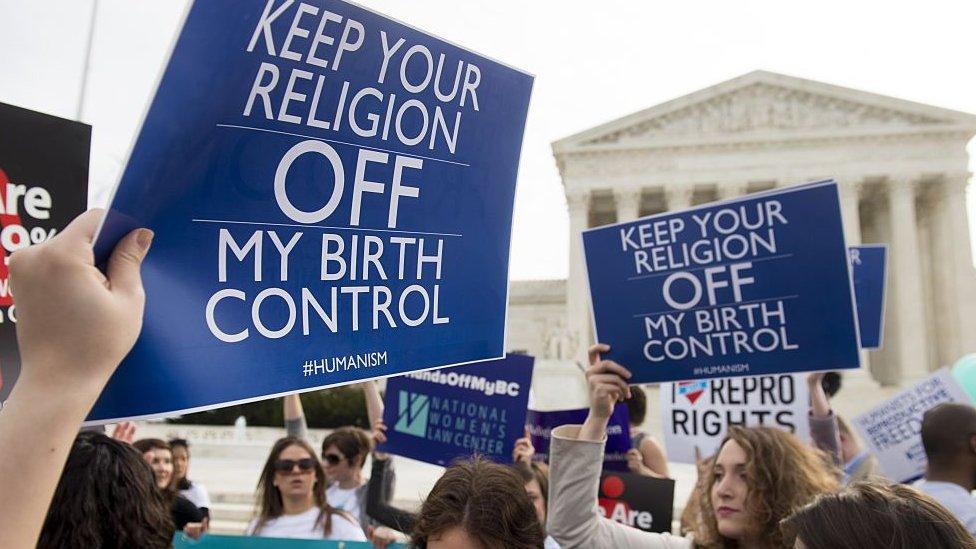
(6, 299)
(692, 390)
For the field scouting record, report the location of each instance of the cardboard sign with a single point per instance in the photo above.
(698, 413)
(752, 286)
(214, 541)
(43, 186)
(541, 424)
(332, 195)
(869, 267)
(441, 415)
(893, 430)
(646, 503)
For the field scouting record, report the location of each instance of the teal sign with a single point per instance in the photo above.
(208, 541)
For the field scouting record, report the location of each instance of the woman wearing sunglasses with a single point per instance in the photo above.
(291, 498)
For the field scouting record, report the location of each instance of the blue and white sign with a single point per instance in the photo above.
(440, 415)
(869, 267)
(892, 430)
(752, 286)
(541, 424)
(332, 195)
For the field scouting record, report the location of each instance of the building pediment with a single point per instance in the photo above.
(767, 106)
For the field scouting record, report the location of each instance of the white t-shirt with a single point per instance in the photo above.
(197, 493)
(303, 526)
(343, 499)
(953, 497)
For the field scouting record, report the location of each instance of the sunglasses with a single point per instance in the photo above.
(287, 465)
(332, 459)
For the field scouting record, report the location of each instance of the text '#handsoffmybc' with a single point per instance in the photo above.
(328, 41)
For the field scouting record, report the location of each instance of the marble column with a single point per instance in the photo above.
(906, 277)
(961, 262)
(628, 201)
(850, 198)
(678, 197)
(577, 301)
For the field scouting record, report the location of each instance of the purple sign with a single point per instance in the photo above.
(540, 425)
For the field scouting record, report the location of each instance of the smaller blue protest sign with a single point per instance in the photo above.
(869, 267)
(438, 416)
(541, 424)
(753, 286)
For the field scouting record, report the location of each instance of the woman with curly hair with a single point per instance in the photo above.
(291, 498)
(759, 476)
(870, 514)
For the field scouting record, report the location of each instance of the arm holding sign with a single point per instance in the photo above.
(823, 422)
(295, 424)
(575, 463)
(74, 326)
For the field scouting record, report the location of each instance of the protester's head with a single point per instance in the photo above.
(849, 445)
(636, 406)
(535, 476)
(181, 463)
(831, 383)
(344, 452)
(292, 473)
(949, 438)
(106, 498)
(159, 456)
(478, 504)
(759, 476)
(868, 514)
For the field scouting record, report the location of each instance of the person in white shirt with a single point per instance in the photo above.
(291, 496)
(193, 491)
(949, 438)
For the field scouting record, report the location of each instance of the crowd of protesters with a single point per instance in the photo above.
(763, 488)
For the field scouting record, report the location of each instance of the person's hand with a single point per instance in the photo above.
(379, 437)
(815, 379)
(74, 323)
(523, 450)
(124, 432)
(635, 462)
(196, 529)
(381, 536)
(607, 382)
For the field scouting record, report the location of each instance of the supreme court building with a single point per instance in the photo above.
(902, 169)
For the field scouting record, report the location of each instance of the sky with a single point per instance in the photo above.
(593, 61)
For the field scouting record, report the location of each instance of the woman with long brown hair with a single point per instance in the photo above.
(159, 455)
(291, 498)
(759, 476)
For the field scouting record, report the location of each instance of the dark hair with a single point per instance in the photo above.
(946, 432)
(354, 443)
(269, 500)
(831, 383)
(636, 405)
(871, 514)
(487, 500)
(181, 483)
(106, 498)
(537, 471)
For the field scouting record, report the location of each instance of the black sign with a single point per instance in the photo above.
(645, 503)
(43, 186)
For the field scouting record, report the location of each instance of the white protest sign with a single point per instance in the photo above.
(893, 430)
(697, 413)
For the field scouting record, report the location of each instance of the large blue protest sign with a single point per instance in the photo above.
(440, 415)
(751, 286)
(869, 266)
(332, 195)
(541, 424)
